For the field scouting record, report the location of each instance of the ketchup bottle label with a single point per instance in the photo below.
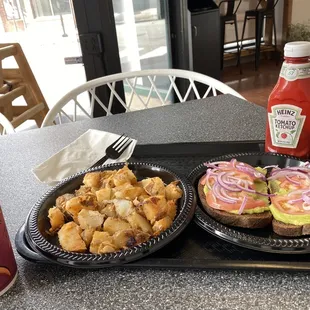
(286, 124)
(292, 72)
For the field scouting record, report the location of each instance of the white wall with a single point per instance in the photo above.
(301, 12)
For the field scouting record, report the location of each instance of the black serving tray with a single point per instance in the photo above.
(195, 248)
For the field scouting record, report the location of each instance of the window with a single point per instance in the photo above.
(50, 7)
(11, 9)
(61, 6)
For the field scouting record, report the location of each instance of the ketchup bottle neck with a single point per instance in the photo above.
(297, 60)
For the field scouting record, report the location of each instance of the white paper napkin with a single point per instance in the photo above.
(79, 155)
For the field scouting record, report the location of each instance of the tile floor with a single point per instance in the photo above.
(255, 86)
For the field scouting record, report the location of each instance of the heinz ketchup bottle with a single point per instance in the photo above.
(288, 123)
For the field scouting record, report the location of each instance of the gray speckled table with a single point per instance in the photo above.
(223, 118)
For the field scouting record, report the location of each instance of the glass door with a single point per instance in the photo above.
(130, 35)
(47, 33)
(142, 28)
(142, 34)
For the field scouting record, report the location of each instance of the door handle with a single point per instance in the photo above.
(195, 30)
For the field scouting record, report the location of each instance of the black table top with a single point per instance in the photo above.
(222, 118)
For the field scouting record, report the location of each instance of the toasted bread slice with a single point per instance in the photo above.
(283, 229)
(289, 230)
(258, 220)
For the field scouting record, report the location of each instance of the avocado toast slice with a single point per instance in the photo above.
(235, 194)
(290, 206)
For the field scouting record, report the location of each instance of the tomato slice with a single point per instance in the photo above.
(283, 205)
(289, 186)
(218, 204)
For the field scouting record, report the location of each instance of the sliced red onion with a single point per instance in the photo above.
(226, 182)
(211, 166)
(219, 162)
(215, 205)
(276, 171)
(233, 162)
(259, 175)
(249, 190)
(222, 183)
(306, 206)
(287, 172)
(215, 163)
(212, 175)
(243, 205)
(225, 194)
(299, 191)
(305, 169)
(291, 180)
(292, 201)
(251, 171)
(229, 183)
(239, 181)
(229, 179)
(243, 184)
(271, 166)
(306, 164)
(302, 169)
(204, 179)
(218, 195)
(306, 198)
(245, 168)
(237, 187)
(252, 191)
(297, 168)
(212, 171)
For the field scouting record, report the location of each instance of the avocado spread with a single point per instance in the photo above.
(298, 219)
(274, 187)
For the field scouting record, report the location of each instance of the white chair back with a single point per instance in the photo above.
(5, 125)
(132, 81)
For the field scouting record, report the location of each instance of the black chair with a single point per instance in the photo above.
(259, 14)
(230, 17)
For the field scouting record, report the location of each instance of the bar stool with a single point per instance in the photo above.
(230, 17)
(259, 15)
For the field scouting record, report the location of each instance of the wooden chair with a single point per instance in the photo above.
(20, 82)
(71, 100)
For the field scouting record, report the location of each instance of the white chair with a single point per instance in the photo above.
(132, 80)
(5, 126)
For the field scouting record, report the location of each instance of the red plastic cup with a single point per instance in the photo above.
(8, 268)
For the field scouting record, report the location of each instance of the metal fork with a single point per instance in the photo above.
(115, 150)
